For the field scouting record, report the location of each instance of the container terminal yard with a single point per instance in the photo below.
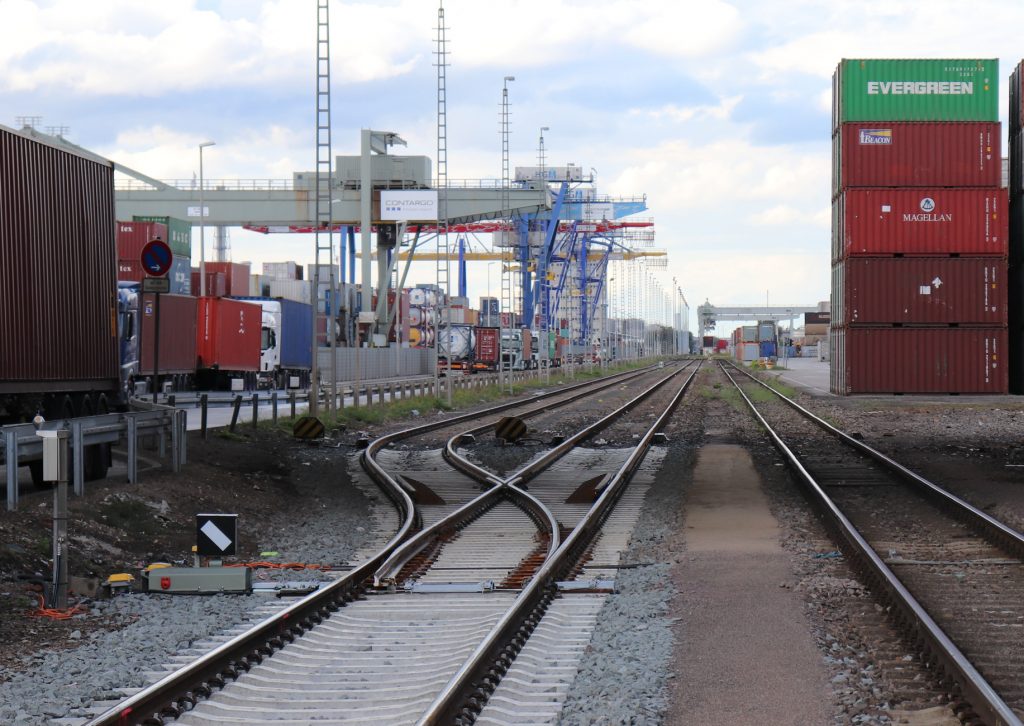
(365, 486)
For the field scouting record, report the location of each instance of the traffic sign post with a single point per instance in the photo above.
(156, 260)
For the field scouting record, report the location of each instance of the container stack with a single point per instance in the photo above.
(133, 236)
(1015, 179)
(919, 229)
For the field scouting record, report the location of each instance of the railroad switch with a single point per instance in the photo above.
(436, 587)
(586, 586)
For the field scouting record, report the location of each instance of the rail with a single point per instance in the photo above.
(174, 694)
(976, 689)
(21, 445)
(465, 693)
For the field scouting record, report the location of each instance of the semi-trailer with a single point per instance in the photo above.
(286, 342)
(58, 287)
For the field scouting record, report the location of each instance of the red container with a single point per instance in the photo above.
(918, 360)
(177, 333)
(487, 346)
(228, 334)
(891, 154)
(215, 285)
(236, 276)
(920, 290)
(58, 262)
(969, 222)
(129, 270)
(133, 236)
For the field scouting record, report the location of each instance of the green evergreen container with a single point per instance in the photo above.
(915, 90)
(178, 230)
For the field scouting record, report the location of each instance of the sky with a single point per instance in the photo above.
(719, 112)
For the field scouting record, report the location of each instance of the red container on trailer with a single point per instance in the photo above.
(918, 360)
(133, 236)
(487, 346)
(177, 333)
(228, 334)
(236, 276)
(895, 154)
(968, 222)
(920, 291)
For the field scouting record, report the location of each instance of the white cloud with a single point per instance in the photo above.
(721, 112)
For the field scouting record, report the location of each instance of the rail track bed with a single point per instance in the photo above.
(483, 579)
(966, 573)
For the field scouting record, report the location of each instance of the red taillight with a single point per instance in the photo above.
(165, 583)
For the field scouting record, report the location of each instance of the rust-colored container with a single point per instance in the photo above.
(918, 360)
(487, 346)
(966, 222)
(133, 236)
(893, 154)
(58, 270)
(920, 290)
(177, 333)
(228, 334)
(236, 277)
(215, 285)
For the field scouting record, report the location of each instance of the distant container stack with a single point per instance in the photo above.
(1015, 179)
(920, 228)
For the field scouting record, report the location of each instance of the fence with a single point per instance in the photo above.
(21, 445)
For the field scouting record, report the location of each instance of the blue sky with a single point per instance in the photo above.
(717, 111)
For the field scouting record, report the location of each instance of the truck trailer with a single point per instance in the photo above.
(58, 287)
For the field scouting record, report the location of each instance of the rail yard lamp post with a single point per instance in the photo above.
(202, 223)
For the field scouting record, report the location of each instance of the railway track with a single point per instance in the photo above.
(467, 579)
(952, 575)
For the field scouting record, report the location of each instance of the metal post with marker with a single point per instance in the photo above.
(55, 469)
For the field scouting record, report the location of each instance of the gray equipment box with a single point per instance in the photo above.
(200, 580)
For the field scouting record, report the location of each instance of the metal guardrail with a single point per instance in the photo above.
(20, 444)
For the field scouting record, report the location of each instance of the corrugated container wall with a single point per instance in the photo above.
(893, 154)
(1015, 174)
(179, 233)
(297, 290)
(133, 236)
(177, 333)
(228, 334)
(282, 270)
(915, 90)
(920, 291)
(918, 360)
(920, 222)
(486, 346)
(236, 276)
(58, 269)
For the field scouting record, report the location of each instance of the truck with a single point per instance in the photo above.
(286, 342)
(58, 287)
(228, 334)
(138, 336)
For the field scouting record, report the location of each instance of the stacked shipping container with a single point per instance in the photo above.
(919, 228)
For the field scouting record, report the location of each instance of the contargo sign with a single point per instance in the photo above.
(405, 205)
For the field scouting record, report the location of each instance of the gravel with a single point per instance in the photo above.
(335, 519)
(624, 675)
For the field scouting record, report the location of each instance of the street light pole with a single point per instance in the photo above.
(202, 223)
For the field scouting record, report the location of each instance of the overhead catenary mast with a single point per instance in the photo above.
(444, 304)
(324, 308)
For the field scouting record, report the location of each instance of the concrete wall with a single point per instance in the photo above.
(377, 363)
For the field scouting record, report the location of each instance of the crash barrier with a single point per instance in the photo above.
(21, 445)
